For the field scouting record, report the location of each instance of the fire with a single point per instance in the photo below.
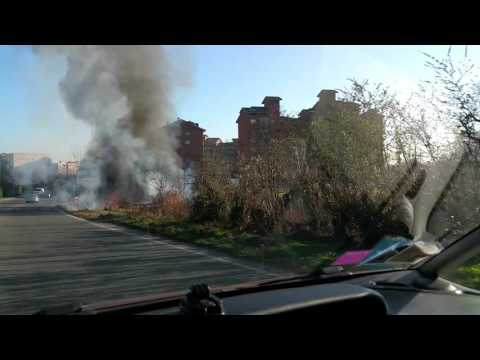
(172, 199)
(114, 200)
(171, 204)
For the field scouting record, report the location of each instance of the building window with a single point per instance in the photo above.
(187, 142)
(252, 121)
(187, 133)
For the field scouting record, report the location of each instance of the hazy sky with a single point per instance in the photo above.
(223, 79)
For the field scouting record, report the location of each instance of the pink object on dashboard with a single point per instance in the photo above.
(351, 257)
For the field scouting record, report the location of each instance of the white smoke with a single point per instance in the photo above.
(38, 171)
(125, 94)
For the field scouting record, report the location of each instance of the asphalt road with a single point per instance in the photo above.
(48, 257)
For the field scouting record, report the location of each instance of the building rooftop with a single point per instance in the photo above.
(270, 98)
(184, 122)
(253, 109)
(287, 118)
(307, 110)
(326, 91)
(212, 141)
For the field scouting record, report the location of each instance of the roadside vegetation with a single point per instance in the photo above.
(296, 252)
(468, 275)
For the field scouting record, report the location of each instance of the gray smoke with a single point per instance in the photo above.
(38, 171)
(124, 93)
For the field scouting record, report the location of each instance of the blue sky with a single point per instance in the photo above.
(223, 79)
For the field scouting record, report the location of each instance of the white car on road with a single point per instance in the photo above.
(32, 197)
(42, 193)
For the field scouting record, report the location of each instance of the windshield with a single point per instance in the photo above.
(155, 168)
(457, 210)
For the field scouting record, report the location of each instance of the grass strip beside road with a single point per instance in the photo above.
(467, 275)
(295, 252)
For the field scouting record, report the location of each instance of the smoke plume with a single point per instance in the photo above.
(124, 93)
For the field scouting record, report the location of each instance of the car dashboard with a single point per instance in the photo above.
(386, 294)
(319, 299)
(404, 292)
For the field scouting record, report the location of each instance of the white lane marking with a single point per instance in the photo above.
(163, 241)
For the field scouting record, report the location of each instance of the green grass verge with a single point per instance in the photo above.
(468, 275)
(297, 253)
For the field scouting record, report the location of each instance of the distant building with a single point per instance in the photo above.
(229, 150)
(189, 145)
(66, 168)
(61, 168)
(211, 145)
(225, 150)
(71, 168)
(253, 119)
(212, 142)
(23, 170)
(259, 125)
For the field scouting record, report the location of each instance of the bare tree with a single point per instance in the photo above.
(455, 92)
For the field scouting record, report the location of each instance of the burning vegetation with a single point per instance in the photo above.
(124, 93)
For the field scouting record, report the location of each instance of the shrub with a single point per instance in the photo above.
(208, 205)
(213, 191)
(171, 205)
(237, 212)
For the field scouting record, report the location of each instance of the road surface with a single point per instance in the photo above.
(48, 257)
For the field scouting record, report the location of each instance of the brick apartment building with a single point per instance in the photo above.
(229, 150)
(258, 125)
(225, 150)
(190, 142)
(211, 143)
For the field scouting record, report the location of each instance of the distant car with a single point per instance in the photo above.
(42, 193)
(32, 198)
(75, 201)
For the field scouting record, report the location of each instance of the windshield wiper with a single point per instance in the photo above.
(64, 309)
(333, 273)
(404, 185)
(390, 284)
(328, 270)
